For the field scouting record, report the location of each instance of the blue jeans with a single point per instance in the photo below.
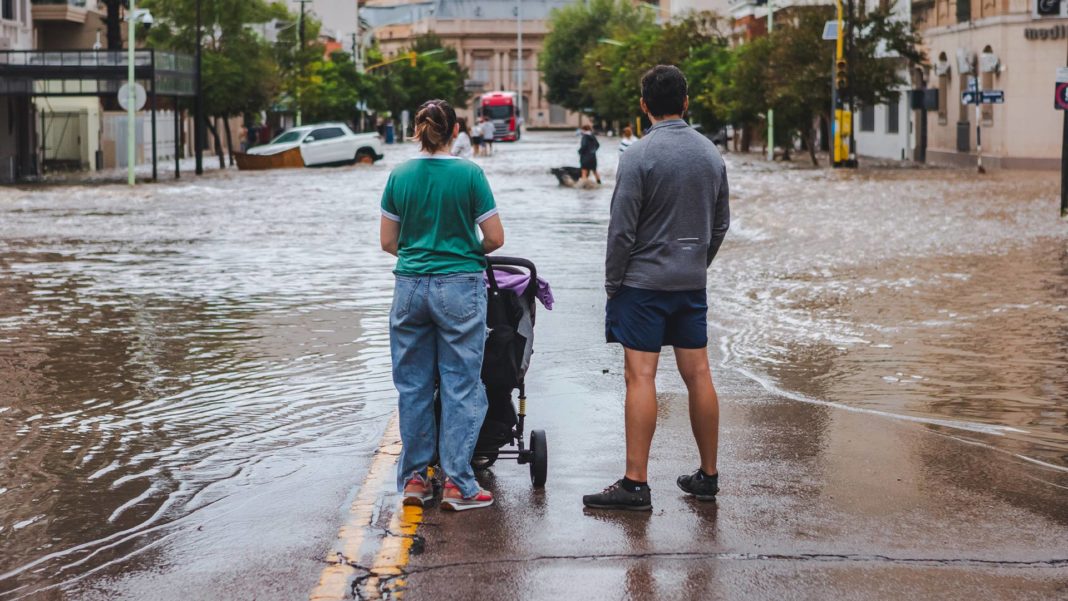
(437, 327)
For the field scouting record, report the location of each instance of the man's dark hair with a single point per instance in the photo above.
(664, 90)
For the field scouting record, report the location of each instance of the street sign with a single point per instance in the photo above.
(1062, 74)
(830, 30)
(984, 97)
(1060, 98)
(140, 96)
(973, 85)
(993, 97)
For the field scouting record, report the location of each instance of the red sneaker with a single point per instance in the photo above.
(417, 490)
(453, 499)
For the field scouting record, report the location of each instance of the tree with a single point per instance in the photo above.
(239, 72)
(574, 31)
(436, 74)
(333, 88)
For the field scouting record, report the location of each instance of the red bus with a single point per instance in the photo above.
(501, 108)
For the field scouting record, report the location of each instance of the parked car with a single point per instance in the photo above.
(325, 144)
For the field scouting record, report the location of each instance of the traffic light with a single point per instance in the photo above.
(840, 79)
(412, 57)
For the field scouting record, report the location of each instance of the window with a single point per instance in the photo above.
(987, 79)
(7, 10)
(289, 136)
(867, 118)
(525, 66)
(480, 69)
(964, 11)
(942, 68)
(497, 112)
(893, 116)
(327, 133)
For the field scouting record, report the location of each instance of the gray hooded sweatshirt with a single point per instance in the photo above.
(669, 211)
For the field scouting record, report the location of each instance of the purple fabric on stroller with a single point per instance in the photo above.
(517, 282)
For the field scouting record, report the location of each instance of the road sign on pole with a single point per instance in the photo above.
(830, 30)
(984, 97)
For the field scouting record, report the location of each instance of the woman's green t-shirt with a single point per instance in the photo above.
(438, 201)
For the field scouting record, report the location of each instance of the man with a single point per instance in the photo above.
(669, 216)
(488, 131)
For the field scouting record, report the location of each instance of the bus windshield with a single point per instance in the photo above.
(497, 112)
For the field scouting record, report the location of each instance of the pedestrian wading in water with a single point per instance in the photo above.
(588, 153)
(668, 218)
(431, 208)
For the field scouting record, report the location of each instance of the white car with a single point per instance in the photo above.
(325, 144)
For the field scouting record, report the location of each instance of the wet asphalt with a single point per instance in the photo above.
(196, 381)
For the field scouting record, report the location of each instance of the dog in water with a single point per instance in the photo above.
(571, 177)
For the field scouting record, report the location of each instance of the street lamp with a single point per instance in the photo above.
(771, 111)
(132, 18)
(519, 66)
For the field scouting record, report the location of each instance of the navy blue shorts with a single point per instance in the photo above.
(646, 320)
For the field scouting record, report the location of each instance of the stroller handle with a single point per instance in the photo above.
(513, 262)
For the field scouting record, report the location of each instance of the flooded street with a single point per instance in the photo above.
(194, 375)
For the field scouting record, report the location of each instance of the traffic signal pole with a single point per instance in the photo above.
(771, 111)
(1064, 167)
(840, 84)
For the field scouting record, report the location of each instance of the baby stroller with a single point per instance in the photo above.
(509, 345)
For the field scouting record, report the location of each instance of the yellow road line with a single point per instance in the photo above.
(335, 582)
(393, 555)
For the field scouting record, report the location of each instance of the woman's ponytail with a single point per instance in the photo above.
(434, 123)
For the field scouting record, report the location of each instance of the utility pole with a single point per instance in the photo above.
(1064, 166)
(850, 66)
(300, 54)
(519, 64)
(771, 112)
(978, 117)
(131, 96)
(358, 43)
(198, 103)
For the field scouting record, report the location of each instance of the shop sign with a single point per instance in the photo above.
(1044, 9)
(1056, 32)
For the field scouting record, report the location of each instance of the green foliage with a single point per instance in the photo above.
(788, 71)
(240, 74)
(332, 88)
(574, 32)
(436, 74)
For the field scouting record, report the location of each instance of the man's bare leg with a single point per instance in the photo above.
(640, 415)
(704, 404)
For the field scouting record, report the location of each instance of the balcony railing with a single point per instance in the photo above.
(77, 3)
(72, 69)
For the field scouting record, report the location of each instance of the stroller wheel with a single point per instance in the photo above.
(539, 458)
(483, 461)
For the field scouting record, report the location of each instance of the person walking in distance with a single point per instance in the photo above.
(588, 154)
(432, 207)
(669, 216)
(626, 139)
(487, 136)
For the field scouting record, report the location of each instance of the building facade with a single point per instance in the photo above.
(17, 125)
(1011, 45)
(484, 34)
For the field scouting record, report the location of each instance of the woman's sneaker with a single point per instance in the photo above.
(453, 500)
(699, 485)
(417, 491)
(617, 497)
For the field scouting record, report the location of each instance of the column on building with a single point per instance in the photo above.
(535, 90)
(495, 77)
(506, 71)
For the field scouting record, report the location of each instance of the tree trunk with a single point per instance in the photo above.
(229, 141)
(213, 128)
(747, 137)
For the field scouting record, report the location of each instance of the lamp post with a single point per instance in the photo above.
(771, 111)
(519, 66)
(131, 97)
(198, 104)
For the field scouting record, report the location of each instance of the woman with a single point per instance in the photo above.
(461, 147)
(437, 325)
(627, 139)
(588, 153)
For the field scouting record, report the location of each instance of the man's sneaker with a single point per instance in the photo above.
(699, 485)
(617, 497)
(417, 491)
(453, 500)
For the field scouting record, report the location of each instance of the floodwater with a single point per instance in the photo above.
(183, 363)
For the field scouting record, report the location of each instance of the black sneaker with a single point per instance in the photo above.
(617, 497)
(699, 485)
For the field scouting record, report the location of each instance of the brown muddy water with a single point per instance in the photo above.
(177, 350)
